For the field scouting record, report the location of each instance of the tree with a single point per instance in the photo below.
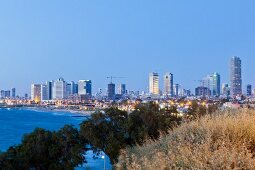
(43, 150)
(106, 131)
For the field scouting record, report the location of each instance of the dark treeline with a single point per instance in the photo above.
(108, 131)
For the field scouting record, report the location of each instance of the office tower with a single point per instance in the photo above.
(236, 76)
(188, 92)
(26, 96)
(202, 91)
(49, 85)
(7, 94)
(89, 87)
(225, 89)
(68, 89)
(176, 90)
(215, 84)
(74, 88)
(36, 92)
(154, 83)
(59, 89)
(111, 91)
(249, 90)
(81, 87)
(2, 94)
(13, 93)
(85, 87)
(169, 84)
(122, 89)
(44, 92)
(212, 82)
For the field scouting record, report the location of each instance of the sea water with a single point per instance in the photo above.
(14, 123)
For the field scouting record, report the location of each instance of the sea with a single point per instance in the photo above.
(14, 123)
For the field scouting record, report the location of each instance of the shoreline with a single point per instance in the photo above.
(63, 110)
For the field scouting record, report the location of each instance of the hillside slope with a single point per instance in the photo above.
(223, 141)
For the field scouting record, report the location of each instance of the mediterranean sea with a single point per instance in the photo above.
(14, 123)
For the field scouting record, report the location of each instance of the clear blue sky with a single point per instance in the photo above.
(91, 39)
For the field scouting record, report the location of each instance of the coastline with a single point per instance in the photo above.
(62, 110)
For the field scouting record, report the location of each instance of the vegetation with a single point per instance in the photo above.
(224, 140)
(110, 131)
(45, 150)
(115, 129)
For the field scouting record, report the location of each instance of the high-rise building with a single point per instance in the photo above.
(74, 88)
(154, 83)
(122, 89)
(44, 92)
(225, 89)
(111, 91)
(236, 76)
(212, 82)
(49, 85)
(202, 91)
(68, 89)
(176, 90)
(215, 84)
(89, 87)
(7, 94)
(36, 92)
(169, 84)
(249, 90)
(85, 87)
(59, 89)
(2, 94)
(13, 93)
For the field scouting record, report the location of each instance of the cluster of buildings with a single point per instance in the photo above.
(60, 90)
(210, 86)
(8, 94)
(81, 91)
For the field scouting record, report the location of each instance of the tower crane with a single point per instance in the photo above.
(112, 77)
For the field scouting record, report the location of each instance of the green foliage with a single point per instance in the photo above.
(115, 129)
(106, 131)
(109, 131)
(44, 149)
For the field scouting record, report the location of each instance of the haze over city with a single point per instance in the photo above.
(45, 40)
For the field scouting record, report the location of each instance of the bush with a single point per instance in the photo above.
(221, 141)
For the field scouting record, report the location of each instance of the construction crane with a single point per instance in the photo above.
(201, 82)
(112, 77)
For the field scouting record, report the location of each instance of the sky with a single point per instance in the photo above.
(92, 39)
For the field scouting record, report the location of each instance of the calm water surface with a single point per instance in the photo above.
(14, 123)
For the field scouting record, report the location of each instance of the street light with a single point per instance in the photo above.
(103, 157)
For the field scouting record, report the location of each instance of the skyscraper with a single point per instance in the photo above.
(225, 89)
(85, 87)
(176, 90)
(215, 84)
(68, 89)
(74, 89)
(122, 89)
(49, 85)
(13, 93)
(154, 83)
(44, 92)
(111, 91)
(36, 92)
(168, 84)
(59, 89)
(249, 90)
(236, 76)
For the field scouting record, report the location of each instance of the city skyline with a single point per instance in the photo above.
(75, 40)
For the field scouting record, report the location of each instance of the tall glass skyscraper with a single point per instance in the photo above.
(154, 83)
(236, 76)
(169, 84)
(216, 84)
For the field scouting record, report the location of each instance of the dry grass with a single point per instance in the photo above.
(224, 141)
